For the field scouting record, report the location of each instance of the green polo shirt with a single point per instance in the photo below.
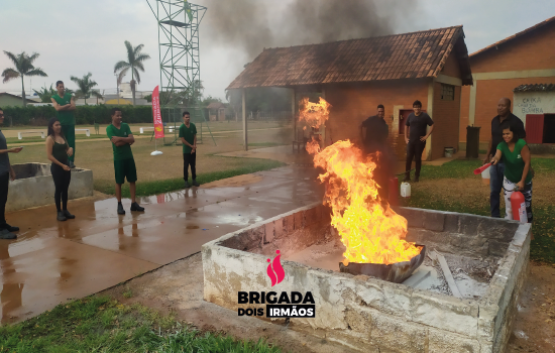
(122, 152)
(188, 133)
(514, 165)
(66, 117)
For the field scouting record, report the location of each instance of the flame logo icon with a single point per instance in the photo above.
(275, 270)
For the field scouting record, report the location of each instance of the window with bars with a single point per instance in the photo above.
(447, 92)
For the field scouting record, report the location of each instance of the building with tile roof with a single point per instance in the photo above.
(520, 67)
(356, 75)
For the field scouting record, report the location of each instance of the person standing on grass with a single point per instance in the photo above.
(124, 164)
(415, 138)
(64, 104)
(497, 171)
(6, 173)
(517, 173)
(58, 151)
(373, 134)
(188, 135)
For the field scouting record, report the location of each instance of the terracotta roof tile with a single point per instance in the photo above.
(409, 55)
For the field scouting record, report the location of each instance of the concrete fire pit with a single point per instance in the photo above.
(488, 258)
(34, 187)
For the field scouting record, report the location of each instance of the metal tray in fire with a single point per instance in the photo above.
(397, 272)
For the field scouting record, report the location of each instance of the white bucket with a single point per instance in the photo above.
(405, 189)
(485, 176)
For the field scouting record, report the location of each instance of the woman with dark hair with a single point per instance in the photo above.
(515, 154)
(58, 151)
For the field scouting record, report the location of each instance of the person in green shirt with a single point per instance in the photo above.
(64, 104)
(124, 164)
(188, 135)
(515, 154)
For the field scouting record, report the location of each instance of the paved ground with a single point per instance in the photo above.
(52, 261)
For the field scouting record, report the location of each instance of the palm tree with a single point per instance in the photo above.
(45, 94)
(85, 85)
(134, 63)
(23, 67)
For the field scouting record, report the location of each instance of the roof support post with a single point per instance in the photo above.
(430, 111)
(294, 112)
(245, 133)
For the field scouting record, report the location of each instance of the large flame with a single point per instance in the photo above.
(314, 114)
(370, 230)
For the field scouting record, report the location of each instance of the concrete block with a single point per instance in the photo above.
(434, 221)
(497, 248)
(269, 233)
(468, 225)
(278, 228)
(451, 224)
(35, 187)
(440, 342)
(289, 223)
(498, 229)
(299, 222)
(413, 216)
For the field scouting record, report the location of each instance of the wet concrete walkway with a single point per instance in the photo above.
(52, 262)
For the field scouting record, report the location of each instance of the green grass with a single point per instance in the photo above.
(168, 185)
(15, 140)
(542, 247)
(100, 324)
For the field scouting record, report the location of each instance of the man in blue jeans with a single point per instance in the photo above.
(497, 171)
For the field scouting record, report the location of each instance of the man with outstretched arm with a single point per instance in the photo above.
(124, 164)
(64, 103)
(496, 172)
(6, 173)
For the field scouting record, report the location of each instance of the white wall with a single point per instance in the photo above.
(533, 103)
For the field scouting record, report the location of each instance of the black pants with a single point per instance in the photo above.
(189, 159)
(61, 181)
(414, 151)
(4, 183)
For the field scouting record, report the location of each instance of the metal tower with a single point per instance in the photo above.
(179, 55)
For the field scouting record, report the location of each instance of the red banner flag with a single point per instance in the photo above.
(157, 114)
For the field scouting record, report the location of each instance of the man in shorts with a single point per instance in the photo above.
(64, 104)
(124, 164)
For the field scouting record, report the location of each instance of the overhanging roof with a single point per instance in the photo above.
(403, 56)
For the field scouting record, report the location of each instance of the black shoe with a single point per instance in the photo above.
(195, 183)
(135, 207)
(407, 178)
(120, 209)
(71, 164)
(187, 185)
(9, 228)
(68, 215)
(5, 234)
(416, 179)
(61, 216)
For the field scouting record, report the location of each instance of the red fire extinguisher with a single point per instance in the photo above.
(519, 207)
(393, 191)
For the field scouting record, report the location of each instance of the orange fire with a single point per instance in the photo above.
(370, 230)
(314, 114)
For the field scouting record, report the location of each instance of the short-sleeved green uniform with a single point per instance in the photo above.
(67, 119)
(514, 165)
(188, 133)
(124, 164)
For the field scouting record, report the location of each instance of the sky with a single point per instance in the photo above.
(75, 37)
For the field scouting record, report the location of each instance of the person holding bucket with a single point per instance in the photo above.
(514, 153)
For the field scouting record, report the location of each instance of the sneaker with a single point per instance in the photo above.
(416, 179)
(9, 228)
(195, 183)
(187, 185)
(61, 217)
(120, 209)
(68, 215)
(135, 207)
(5, 234)
(71, 164)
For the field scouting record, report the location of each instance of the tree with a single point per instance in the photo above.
(134, 63)
(45, 94)
(23, 67)
(85, 85)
